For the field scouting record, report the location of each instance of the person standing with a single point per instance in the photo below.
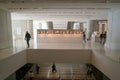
(37, 68)
(27, 38)
(84, 37)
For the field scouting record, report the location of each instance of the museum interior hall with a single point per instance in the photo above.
(59, 40)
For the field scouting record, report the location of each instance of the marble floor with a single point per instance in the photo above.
(68, 42)
(64, 71)
(59, 42)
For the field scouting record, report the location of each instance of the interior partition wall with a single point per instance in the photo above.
(5, 30)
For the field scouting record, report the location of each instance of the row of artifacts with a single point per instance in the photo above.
(59, 32)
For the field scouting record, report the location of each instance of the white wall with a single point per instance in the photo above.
(58, 56)
(59, 24)
(5, 30)
(9, 65)
(113, 37)
(107, 66)
(19, 28)
(11, 77)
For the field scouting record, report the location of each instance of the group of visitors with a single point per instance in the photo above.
(37, 68)
(102, 37)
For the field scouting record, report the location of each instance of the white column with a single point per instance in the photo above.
(50, 25)
(19, 28)
(6, 40)
(81, 26)
(113, 33)
(89, 29)
(95, 25)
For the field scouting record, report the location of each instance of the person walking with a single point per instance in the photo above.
(84, 37)
(27, 38)
(101, 38)
(104, 38)
(54, 68)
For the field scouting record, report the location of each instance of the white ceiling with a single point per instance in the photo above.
(58, 11)
(58, 1)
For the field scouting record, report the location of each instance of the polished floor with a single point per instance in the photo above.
(58, 41)
(64, 72)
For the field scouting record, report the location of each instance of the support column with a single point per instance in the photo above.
(50, 25)
(89, 29)
(113, 33)
(81, 26)
(6, 40)
(92, 26)
(95, 25)
(70, 25)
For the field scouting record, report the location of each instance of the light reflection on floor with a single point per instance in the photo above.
(60, 42)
